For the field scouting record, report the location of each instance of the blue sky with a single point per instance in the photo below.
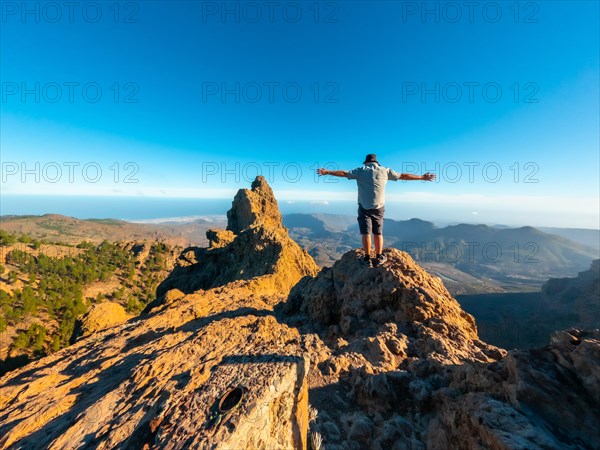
(179, 99)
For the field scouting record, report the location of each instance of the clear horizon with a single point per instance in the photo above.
(183, 101)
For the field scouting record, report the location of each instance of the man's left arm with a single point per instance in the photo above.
(395, 176)
(426, 177)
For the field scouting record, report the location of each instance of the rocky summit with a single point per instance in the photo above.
(254, 253)
(249, 346)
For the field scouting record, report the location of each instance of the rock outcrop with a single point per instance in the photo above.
(254, 207)
(219, 238)
(249, 347)
(533, 399)
(408, 371)
(98, 318)
(255, 251)
(356, 302)
(156, 382)
(577, 298)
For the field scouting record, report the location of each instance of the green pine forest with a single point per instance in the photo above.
(46, 293)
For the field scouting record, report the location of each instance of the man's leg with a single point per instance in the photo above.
(378, 239)
(364, 226)
(366, 243)
(380, 258)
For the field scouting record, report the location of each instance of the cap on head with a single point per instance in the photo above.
(371, 157)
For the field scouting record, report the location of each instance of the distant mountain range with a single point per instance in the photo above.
(469, 258)
(69, 230)
(589, 238)
(499, 258)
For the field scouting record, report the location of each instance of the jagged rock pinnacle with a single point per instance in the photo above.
(254, 207)
(255, 249)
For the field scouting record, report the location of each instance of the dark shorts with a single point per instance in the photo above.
(370, 220)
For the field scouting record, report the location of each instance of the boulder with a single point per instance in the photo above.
(98, 318)
(219, 238)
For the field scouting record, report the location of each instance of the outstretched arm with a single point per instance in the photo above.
(427, 177)
(335, 173)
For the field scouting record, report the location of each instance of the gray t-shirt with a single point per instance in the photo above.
(371, 180)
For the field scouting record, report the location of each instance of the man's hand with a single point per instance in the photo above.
(428, 177)
(322, 171)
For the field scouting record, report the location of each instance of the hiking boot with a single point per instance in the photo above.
(380, 259)
(367, 261)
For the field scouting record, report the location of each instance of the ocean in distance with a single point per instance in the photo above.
(142, 208)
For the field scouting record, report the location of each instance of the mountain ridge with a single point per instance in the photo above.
(510, 259)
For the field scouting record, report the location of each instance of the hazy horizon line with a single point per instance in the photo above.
(223, 218)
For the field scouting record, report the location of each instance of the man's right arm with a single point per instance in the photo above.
(335, 173)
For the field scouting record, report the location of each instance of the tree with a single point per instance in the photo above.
(85, 245)
(20, 341)
(29, 300)
(55, 345)
(132, 306)
(5, 298)
(33, 338)
(24, 239)
(10, 314)
(12, 277)
(17, 257)
(37, 335)
(119, 293)
(7, 238)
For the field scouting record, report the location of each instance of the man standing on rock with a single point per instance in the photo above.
(371, 179)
